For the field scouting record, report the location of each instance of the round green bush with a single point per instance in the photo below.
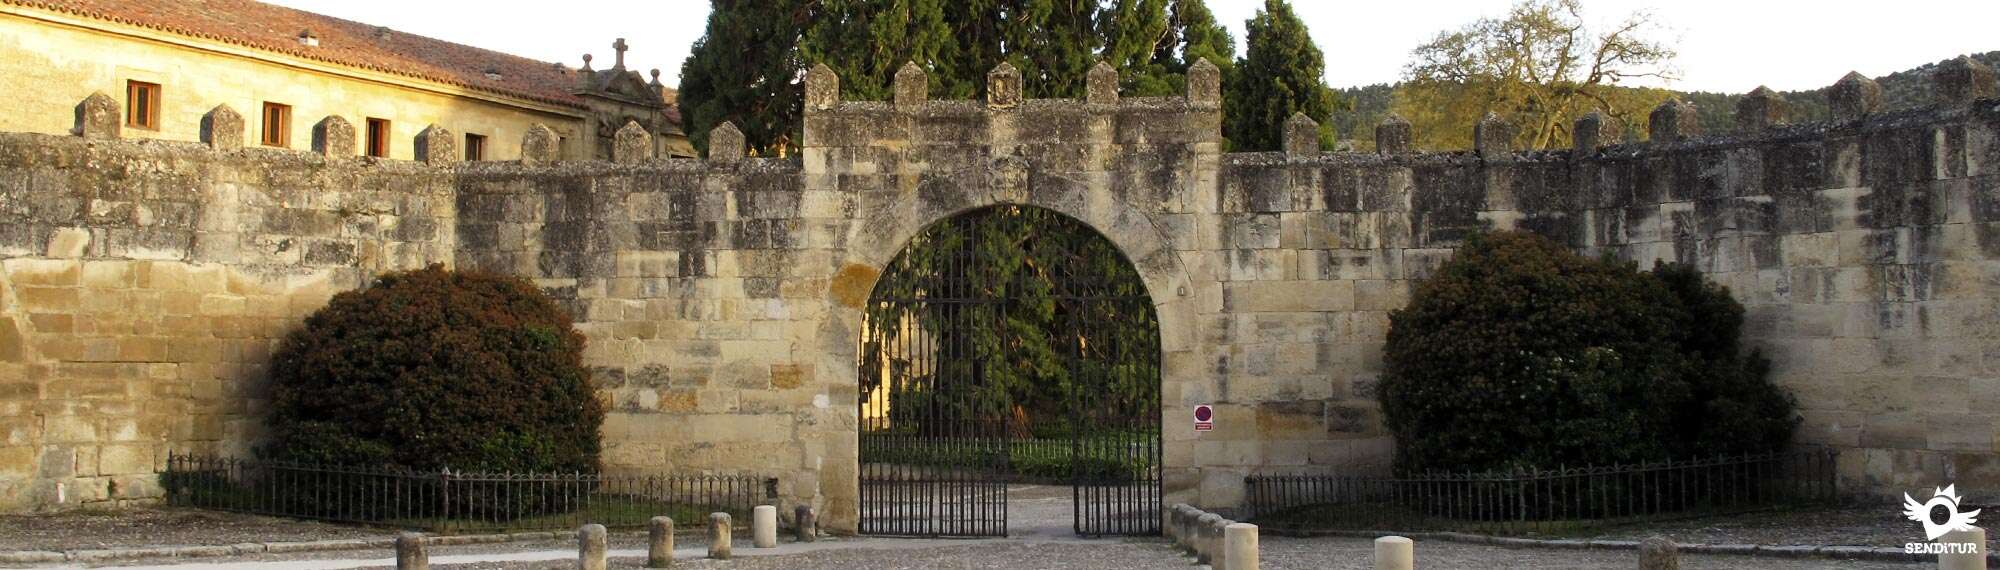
(1519, 353)
(433, 369)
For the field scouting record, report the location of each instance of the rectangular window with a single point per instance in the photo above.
(142, 105)
(277, 125)
(378, 138)
(475, 147)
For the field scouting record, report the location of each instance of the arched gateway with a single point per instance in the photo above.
(1008, 344)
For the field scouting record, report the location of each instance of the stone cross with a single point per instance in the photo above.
(619, 46)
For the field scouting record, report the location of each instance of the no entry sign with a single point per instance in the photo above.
(1204, 418)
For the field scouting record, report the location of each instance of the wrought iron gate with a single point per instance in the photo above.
(1005, 345)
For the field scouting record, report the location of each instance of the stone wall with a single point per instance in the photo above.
(721, 296)
(143, 287)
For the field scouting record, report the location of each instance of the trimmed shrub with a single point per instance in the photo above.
(1519, 353)
(434, 369)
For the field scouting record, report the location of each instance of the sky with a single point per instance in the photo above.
(1729, 46)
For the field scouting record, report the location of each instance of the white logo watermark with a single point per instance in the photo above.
(1954, 521)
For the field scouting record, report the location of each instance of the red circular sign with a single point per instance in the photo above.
(1203, 413)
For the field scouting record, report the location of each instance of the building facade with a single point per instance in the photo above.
(170, 63)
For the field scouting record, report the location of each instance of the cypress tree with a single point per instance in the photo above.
(746, 69)
(1053, 43)
(867, 41)
(1280, 74)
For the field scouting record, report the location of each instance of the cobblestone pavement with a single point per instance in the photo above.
(1872, 524)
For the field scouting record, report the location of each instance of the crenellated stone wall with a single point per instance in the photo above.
(721, 297)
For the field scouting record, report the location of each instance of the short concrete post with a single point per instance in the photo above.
(590, 547)
(1239, 546)
(660, 543)
(1974, 560)
(1659, 553)
(410, 553)
(1395, 553)
(764, 526)
(806, 524)
(718, 535)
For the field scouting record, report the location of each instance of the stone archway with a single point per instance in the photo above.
(882, 229)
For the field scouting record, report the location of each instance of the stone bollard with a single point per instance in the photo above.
(807, 524)
(410, 553)
(1395, 553)
(1974, 560)
(1204, 544)
(764, 526)
(1239, 546)
(1218, 543)
(1659, 553)
(718, 535)
(590, 547)
(660, 543)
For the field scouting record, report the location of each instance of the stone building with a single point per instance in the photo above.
(169, 63)
(142, 286)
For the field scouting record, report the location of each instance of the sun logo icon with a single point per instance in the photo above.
(1946, 497)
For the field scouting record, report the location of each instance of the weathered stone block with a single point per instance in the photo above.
(725, 144)
(1204, 83)
(333, 136)
(97, 117)
(1961, 80)
(540, 145)
(1003, 87)
(1393, 135)
(437, 145)
(1301, 135)
(1854, 96)
(633, 145)
(822, 88)
(1103, 85)
(1493, 137)
(912, 86)
(222, 128)
(1673, 121)
(1761, 109)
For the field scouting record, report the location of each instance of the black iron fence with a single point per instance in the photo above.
(1543, 501)
(456, 501)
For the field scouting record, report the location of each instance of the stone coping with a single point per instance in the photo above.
(1867, 553)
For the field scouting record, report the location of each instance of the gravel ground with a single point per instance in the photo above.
(1855, 525)
(139, 527)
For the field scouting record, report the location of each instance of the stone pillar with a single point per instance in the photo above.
(1959, 82)
(222, 128)
(410, 553)
(1204, 83)
(1395, 553)
(764, 526)
(1301, 136)
(1205, 539)
(822, 88)
(1493, 137)
(1003, 87)
(437, 145)
(725, 144)
(1673, 121)
(1659, 553)
(1394, 135)
(1239, 546)
(660, 542)
(1103, 85)
(632, 144)
(1975, 560)
(1853, 97)
(1761, 109)
(333, 137)
(97, 117)
(913, 87)
(590, 547)
(805, 524)
(540, 145)
(1593, 131)
(719, 535)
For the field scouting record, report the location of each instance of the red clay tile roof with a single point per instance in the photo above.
(276, 28)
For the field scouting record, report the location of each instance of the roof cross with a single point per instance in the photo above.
(621, 47)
